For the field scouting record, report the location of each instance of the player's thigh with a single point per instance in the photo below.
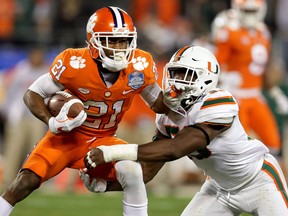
(105, 171)
(54, 153)
(272, 203)
(204, 204)
(264, 124)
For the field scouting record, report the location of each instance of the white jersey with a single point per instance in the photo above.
(232, 158)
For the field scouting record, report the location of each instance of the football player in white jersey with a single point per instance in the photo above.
(242, 176)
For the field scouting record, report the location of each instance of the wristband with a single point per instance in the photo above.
(119, 152)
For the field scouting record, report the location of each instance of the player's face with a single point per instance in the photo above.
(184, 74)
(114, 43)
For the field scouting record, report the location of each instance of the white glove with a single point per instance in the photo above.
(172, 98)
(63, 123)
(280, 99)
(97, 185)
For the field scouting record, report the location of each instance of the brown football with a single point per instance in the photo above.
(57, 100)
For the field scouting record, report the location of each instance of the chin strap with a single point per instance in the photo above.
(118, 63)
(113, 67)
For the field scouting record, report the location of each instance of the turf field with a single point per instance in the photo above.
(109, 204)
(91, 205)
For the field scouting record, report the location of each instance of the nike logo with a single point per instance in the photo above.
(84, 90)
(126, 92)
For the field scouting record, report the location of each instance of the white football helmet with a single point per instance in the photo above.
(105, 26)
(251, 12)
(192, 71)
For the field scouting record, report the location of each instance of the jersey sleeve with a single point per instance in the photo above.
(68, 64)
(72, 66)
(59, 66)
(145, 65)
(144, 60)
(222, 45)
(223, 26)
(151, 93)
(160, 124)
(217, 107)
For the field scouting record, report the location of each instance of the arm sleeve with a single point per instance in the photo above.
(46, 86)
(151, 93)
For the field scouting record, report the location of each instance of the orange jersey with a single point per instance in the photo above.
(138, 107)
(245, 52)
(243, 55)
(105, 106)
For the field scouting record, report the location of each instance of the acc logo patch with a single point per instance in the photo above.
(135, 79)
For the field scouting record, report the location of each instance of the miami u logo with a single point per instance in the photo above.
(210, 68)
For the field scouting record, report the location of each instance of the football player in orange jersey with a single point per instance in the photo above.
(105, 76)
(242, 47)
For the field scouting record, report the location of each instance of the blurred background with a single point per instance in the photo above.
(33, 32)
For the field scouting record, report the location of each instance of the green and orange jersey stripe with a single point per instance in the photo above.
(228, 100)
(273, 173)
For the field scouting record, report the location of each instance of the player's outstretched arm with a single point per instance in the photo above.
(188, 140)
(159, 106)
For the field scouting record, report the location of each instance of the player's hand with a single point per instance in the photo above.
(281, 100)
(282, 105)
(94, 157)
(63, 123)
(95, 185)
(173, 97)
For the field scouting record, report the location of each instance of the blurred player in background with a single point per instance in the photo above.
(20, 135)
(105, 76)
(242, 47)
(242, 176)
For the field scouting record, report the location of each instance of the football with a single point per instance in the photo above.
(57, 100)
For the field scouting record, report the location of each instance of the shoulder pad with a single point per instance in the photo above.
(227, 19)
